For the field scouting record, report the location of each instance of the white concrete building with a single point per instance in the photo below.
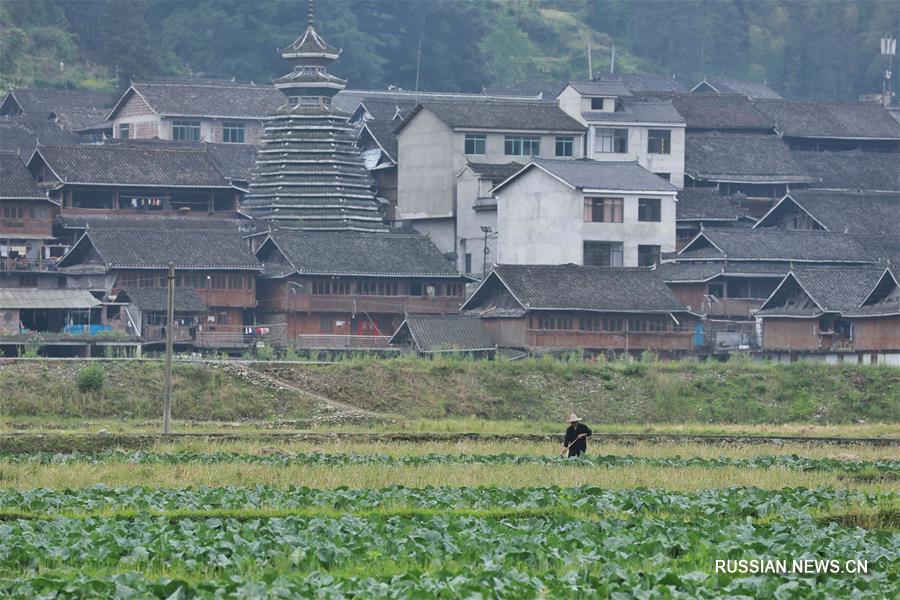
(476, 214)
(437, 139)
(623, 128)
(584, 212)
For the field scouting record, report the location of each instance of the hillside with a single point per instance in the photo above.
(802, 49)
(530, 390)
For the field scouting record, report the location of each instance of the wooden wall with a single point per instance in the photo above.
(790, 334)
(877, 333)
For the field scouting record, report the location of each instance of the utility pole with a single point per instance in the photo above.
(590, 60)
(888, 51)
(170, 323)
(612, 60)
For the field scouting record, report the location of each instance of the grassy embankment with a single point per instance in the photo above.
(462, 395)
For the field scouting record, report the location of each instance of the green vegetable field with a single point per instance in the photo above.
(227, 525)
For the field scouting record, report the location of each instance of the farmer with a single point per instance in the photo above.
(576, 437)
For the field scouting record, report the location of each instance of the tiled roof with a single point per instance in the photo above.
(74, 108)
(355, 253)
(22, 133)
(46, 299)
(15, 180)
(208, 99)
(816, 119)
(735, 157)
(586, 174)
(234, 161)
(348, 100)
(775, 245)
(882, 248)
(383, 133)
(385, 109)
(140, 248)
(157, 299)
(852, 170)
(832, 289)
(694, 272)
(510, 115)
(134, 165)
(751, 89)
(849, 212)
(600, 88)
(644, 82)
(704, 204)
(637, 111)
(572, 287)
(436, 333)
(147, 221)
(721, 112)
(496, 172)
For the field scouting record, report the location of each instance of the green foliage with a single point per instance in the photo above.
(90, 379)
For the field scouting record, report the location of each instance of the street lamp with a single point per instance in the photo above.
(888, 51)
(488, 233)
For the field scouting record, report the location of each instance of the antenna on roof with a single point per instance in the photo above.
(590, 63)
(310, 12)
(418, 64)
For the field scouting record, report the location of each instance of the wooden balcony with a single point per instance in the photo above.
(374, 304)
(734, 307)
(26, 265)
(10, 228)
(555, 338)
(180, 335)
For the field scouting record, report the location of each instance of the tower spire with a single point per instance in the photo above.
(310, 12)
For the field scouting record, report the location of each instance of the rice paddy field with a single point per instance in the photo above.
(357, 517)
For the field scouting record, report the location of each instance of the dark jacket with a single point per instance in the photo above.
(579, 447)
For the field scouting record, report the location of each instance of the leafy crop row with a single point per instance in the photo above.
(733, 502)
(793, 462)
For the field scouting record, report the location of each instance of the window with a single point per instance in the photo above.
(555, 322)
(649, 210)
(612, 140)
(454, 289)
(603, 210)
(648, 255)
(610, 324)
(325, 288)
(659, 141)
(522, 145)
(377, 288)
(596, 103)
(666, 176)
(39, 212)
(326, 324)
(603, 254)
(475, 143)
(186, 130)
(639, 324)
(124, 131)
(565, 146)
(415, 288)
(13, 212)
(468, 268)
(233, 132)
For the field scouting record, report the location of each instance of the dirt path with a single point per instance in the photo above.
(327, 411)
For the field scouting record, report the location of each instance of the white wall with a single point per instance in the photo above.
(541, 221)
(426, 178)
(672, 163)
(469, 187)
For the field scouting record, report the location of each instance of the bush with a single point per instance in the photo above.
(90, 379)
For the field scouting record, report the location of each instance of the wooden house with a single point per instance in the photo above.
(427, 335)
(217, 264)
(352, 289)
(833, 314)
(867, 213)
(598, 309)
(145, 311)
(139, 178)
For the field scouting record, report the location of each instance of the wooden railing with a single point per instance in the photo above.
(375, 304)
(555, 338)
(24, 264)
(340, 342)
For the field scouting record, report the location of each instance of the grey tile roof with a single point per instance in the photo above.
(584, 174)
(22, 133)
(148, 221)
(385, 109)
(144, 248)
(832, 289)
(355, 253)
(704, 204)
(600, 88)
(738, 157)
(15, 180)
(572, 287)
(722, 112)
(496, 172)
(882, 248)
(693, 272)
(157, 299)
(782, 245)
(348, 100)
(853, 170)
(644, 82)
(383, 133)
(437, 333)
(46, 299)
(208, 99)
(233, 161)
(751, 89)
(509, 115)
(638, 111)
(153, 165)
(849, 212)
(74, 108)
(816, 119)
